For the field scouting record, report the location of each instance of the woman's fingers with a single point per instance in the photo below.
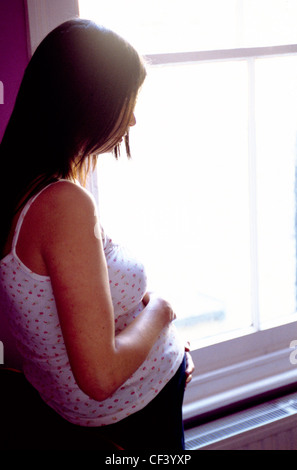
(190, 367)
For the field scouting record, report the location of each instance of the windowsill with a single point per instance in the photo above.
(216, 385)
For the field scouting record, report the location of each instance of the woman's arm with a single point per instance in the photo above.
(76, 264)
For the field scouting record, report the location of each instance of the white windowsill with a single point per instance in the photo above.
(217, 385)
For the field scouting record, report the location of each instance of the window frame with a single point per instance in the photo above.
(230, 368)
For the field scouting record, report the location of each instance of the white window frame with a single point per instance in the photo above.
(235, 368)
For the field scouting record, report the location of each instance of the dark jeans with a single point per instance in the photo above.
(28, 423)
(158, 426)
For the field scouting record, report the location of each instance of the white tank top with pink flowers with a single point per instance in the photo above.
(28, 301)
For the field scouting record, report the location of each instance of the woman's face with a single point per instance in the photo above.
(118, 138)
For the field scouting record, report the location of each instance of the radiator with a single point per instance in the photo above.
(269, 426)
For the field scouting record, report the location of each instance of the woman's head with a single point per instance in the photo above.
(76, 99)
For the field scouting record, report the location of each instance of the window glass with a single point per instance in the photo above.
(208, 200)
(183, 202)
(276, 117)
(157, 26)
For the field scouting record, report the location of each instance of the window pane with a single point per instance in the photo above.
(156, 26)
(183, 202)
(276, 117)
(268, 22)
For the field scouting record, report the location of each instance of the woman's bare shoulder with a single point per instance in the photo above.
(62, 209)
(64, 198)
(64, 191)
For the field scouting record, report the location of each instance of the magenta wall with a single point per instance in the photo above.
(13, 60)
(13, 54)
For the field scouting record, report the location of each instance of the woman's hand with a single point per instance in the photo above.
(160, 307)
(189, 363)
(190, 367)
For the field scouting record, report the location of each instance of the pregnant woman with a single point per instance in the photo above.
(100, 350)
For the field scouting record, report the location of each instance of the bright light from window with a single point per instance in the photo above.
(184, 204)
(200, 127)
(155, 26)
(276, 99)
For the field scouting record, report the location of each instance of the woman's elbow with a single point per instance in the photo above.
(98, 391)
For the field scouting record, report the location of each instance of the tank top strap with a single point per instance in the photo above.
(23, 215)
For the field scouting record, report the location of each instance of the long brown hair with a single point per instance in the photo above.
(75, 102)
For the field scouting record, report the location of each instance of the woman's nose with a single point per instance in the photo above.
(132, 121)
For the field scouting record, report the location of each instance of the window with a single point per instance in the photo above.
(208, 201)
